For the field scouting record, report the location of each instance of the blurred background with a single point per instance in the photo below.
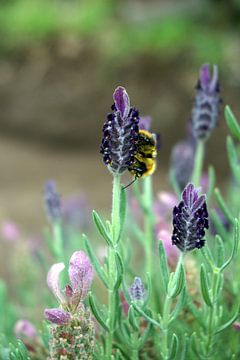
(59, 64)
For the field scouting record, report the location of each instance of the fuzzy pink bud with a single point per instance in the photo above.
(80, 273)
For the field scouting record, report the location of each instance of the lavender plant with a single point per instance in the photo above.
(167, 287)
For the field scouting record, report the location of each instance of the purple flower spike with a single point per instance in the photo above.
(190, 219)
(137, 290)
(205, 112)
(80, 273)
(52, 202)
(23, 328)
(57, 316)
(120, 133)
(53, 281)
(145, 123)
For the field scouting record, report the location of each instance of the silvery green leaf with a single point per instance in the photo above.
(179, 282)
(97, 313)
(120, 270)
(223, 206)
(101, 228)
(233, 159)
(232, 122)
(205, 286)
(229, 322)
(133, 320)
(95, 262)
(235, 244)
(220, 251)
(163, 265)
(173, 347)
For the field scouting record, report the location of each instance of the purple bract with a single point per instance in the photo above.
(190, 219)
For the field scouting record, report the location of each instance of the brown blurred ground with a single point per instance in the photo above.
(53, 100)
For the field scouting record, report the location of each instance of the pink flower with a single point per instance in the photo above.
(10, 231)
(171, 251)
(24, 329)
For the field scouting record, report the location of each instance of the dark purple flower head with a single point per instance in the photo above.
(205, 112)
(52, 201)
(137, 290)
(120, 133)
(190, 219)
(182, 162)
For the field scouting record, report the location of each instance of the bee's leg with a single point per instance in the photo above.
(133, 181)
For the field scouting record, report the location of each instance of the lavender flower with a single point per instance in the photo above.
(182, 162)
(73, 333)
(80, 275)
(190, 219)
(120, 133)
(137, 290)
(206, 108)
(52, 202)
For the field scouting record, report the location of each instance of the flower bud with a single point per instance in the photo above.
(57, 316)
(137, 290)
(80, 273)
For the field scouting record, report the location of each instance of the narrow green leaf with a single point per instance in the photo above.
(220, 251)
(232, 122)
(179, 282)
(196, 313)
(101, 228)
(235, 245)
(219, 225)
(205, 286)
(147, 317)
(149, 289)
(206, 253)
(133, 321)
(229, 322)
(120, 270)
(95, 261)
(223, 206)
(173, 347)
(179, 306)
(211, 182)
(233, 159)
(163, 265)
(96, 312)
(174, 183)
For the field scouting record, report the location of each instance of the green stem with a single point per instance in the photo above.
(58, 241)
(148, 225)
(167, 315)
(112, 265)
(198, 163)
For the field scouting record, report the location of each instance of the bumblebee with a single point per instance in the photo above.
(145, 158)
